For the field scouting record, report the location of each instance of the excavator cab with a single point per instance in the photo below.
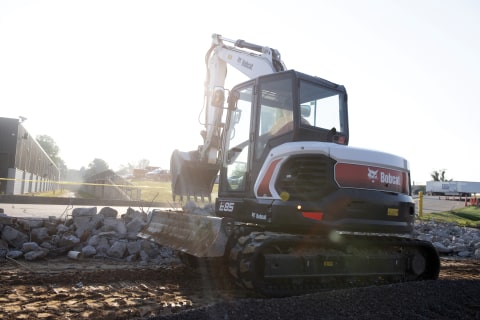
(273, 110)
(261, 114)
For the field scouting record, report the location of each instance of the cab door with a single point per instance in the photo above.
(236, 160)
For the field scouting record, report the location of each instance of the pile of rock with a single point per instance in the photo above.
(450, 239)
(85, 233)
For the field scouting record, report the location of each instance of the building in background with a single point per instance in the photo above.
(24, 165)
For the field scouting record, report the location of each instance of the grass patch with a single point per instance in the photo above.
(84, 195)
(466, 217)
(52, 193)
(154, 191)
(150, 191)
(157, 191)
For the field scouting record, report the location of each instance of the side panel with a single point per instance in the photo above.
(302, 188)
(349, 175)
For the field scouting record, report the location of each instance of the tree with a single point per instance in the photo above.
(96, 166)
(49, 146)
(142, 164)
(51, 149)
(130, 167)
(62, 167)
(439, 175)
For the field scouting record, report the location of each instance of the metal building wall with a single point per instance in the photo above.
(24, 165)
(8, 144)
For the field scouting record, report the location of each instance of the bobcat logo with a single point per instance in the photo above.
(372, 175)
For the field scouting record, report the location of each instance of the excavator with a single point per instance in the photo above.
(298, 210)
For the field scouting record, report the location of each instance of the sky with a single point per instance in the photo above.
(123, 81)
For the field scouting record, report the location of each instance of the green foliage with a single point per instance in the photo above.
(52, 193)
(158, 191)
(84, 195)
(439, 175)
(154, 191)
(49, 146)
(151, 191)
(51, 149)
(96, 166)
(467, 217)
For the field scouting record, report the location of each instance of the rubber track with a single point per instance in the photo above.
(248, 247)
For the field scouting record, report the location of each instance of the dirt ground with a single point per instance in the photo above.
(106, 289)
(102, 289)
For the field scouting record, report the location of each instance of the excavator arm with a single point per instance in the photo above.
(194, 172)
(257, 61)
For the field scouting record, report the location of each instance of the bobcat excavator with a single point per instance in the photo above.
(298, 210)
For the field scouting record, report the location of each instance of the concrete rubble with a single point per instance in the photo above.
(84, 234)
(450, 239)
(89, 234)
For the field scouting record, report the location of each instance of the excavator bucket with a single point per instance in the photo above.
(190, 176)
(197, 235)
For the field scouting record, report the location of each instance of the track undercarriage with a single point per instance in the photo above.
(276, 264)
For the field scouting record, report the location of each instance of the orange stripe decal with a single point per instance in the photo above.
(264, 187)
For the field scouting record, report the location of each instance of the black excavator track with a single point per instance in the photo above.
(278, 264)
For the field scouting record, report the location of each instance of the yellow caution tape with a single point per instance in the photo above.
(83, 183)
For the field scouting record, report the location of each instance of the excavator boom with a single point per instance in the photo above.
(194, 172)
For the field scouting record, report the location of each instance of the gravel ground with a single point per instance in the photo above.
(442, 299)
(108, 289)
(455, 295)
(116, 289)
